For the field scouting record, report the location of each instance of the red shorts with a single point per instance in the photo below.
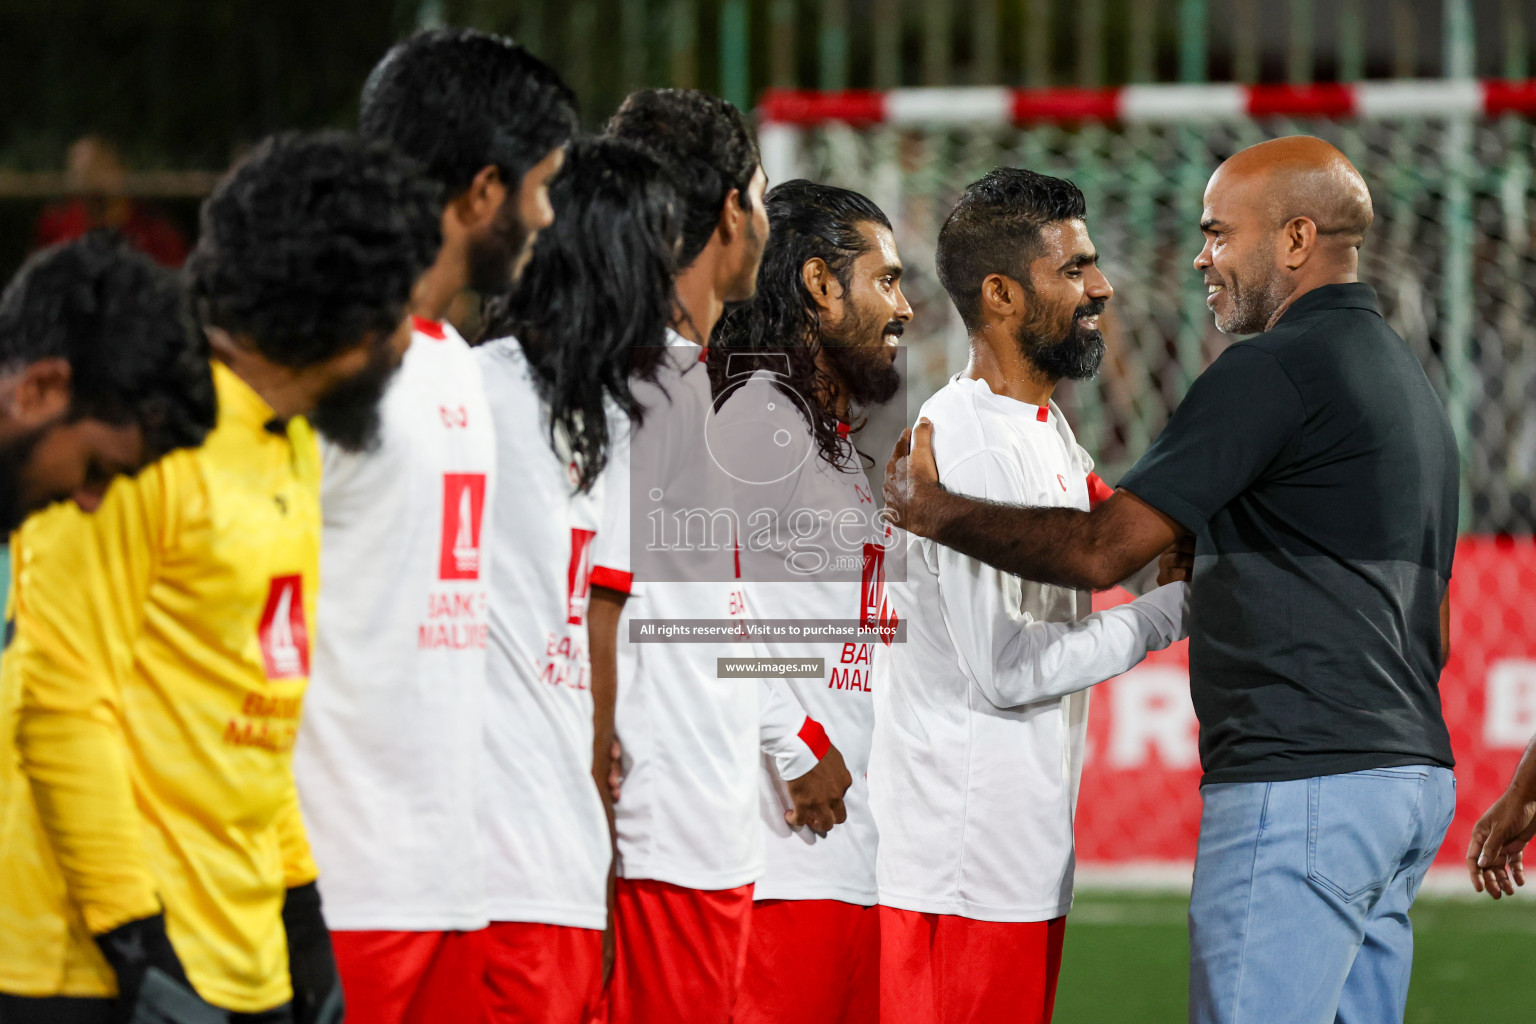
(811, 962)
(542, 973)
(678, 953)
(410, 977)
(939, 967)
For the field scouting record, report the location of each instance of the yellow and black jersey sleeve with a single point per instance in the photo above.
(79, 599)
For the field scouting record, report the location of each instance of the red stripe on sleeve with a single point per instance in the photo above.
(613, 579)
(1098, 490)
(815, 737)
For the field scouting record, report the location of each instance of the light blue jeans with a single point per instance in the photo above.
(1299, 913)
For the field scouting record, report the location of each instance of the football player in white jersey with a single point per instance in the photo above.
(389, 756)
(981, 715)
(817, 343)
(600, 284)
(689, 845)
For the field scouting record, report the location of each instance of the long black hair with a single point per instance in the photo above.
(705, 141)
(806, 220)
(592, 310)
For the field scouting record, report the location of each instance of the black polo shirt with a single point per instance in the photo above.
(1319, 472)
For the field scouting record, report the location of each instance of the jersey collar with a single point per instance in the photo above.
(240, 403)
(1334, 296)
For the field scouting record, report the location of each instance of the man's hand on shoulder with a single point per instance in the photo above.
(912, 480)
(818, 794)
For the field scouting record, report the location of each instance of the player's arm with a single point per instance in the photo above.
(1062, 546)
(1238, 418)
(610, 585)
(80, 593)
(603, 612)
(811, 767)
(317, 997)
(1015, 659)
(1148, 576)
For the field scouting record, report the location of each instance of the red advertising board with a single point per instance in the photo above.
(1140, 799)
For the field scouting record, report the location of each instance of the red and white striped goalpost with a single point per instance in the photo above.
(784, 113)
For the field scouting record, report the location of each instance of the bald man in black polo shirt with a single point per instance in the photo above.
(1314, 472)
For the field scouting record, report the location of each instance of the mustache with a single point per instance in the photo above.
(1093, 307)
(895, 329)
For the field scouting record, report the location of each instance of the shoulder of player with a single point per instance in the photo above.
(1063, 428)
(964, 425)
(505, 353)
(760, 401)
(505, 375)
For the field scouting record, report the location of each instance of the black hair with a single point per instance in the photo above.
(311, 243)
(119, 320)
(592, 309)
(707, 145)
(459, 100)
(995, 229)
(806, 220)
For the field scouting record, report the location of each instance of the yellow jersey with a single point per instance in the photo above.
(149, 699)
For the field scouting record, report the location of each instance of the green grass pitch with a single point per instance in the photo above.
(1127, 960)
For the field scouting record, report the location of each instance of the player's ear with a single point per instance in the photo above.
(1298, 238)
(42, 392)
(1001, 295)
(820, 283)
(479, 203)
(729, 225)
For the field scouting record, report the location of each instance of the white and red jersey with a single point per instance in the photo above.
(825, 565)
(388, 757)
(546, 833)
(688, 810)
(981, 715)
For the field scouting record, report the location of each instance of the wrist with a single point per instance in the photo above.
(134, 948)
(303, 919)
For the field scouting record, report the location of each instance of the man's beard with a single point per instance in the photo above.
(348, 414)
(1075, 355)
(743, 287)
(1253, 301)
(15, 455)
(495, 256)
(865, 370)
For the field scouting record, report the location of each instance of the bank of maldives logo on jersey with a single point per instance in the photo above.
(463, 514)
(282, 633)
(874, 610)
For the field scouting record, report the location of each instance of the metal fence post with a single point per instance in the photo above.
(832, 48)
(1194, 64)
(1457, 282)
(735, 54)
